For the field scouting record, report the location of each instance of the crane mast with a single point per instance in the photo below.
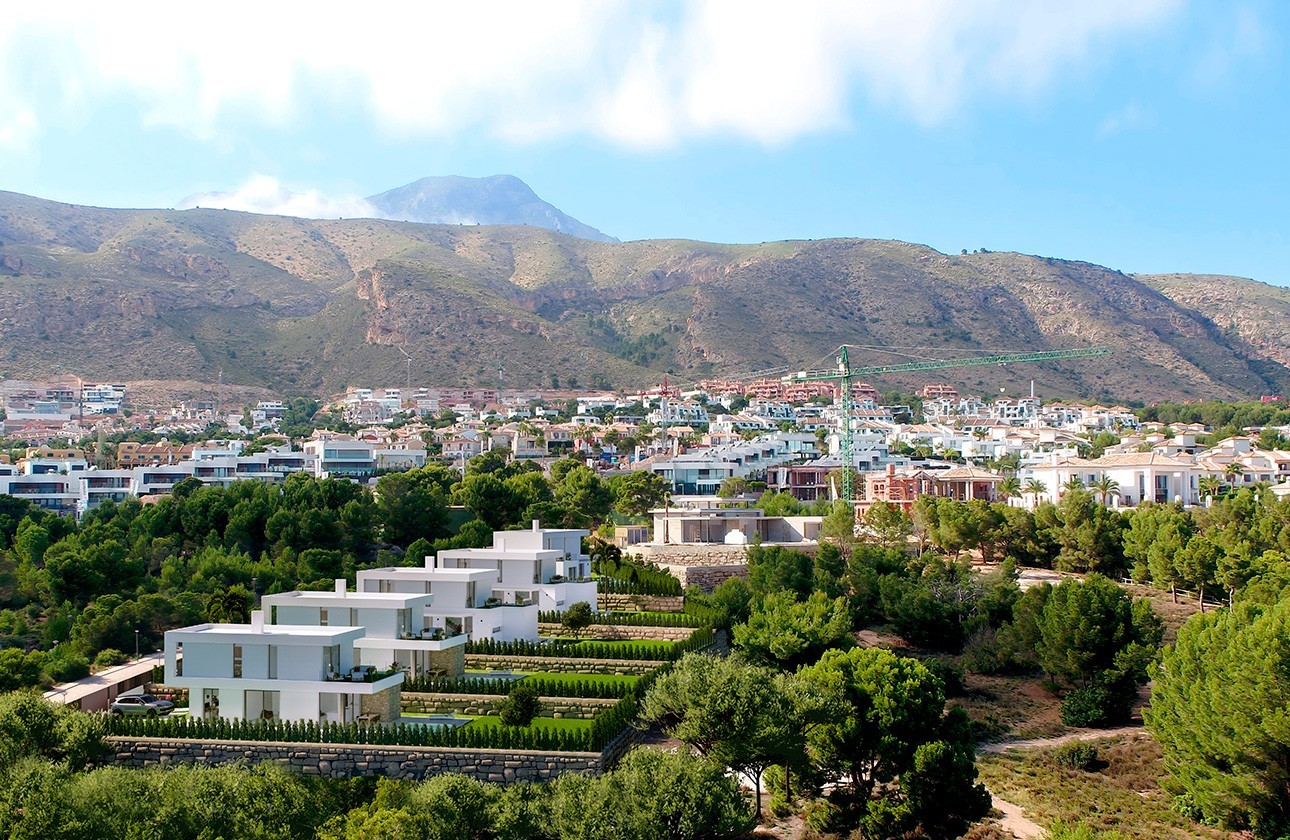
(844, 374)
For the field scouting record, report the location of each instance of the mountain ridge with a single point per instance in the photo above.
(492, 200)
(312, 306)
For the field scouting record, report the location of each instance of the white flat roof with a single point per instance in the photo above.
(503, 553)
(422, 573)
(355, 600)
(281, 634)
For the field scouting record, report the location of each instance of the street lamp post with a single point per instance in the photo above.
(136, 644)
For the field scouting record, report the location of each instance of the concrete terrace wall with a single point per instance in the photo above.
(621, 632)
(559, 664)
(342, 761)
(475, 705)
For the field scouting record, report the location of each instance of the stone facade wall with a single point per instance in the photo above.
(559, 664)
(384, 705)
(706, 578)
(452, 662)
(584, 708)
(621, 632)
(342, 761)
(615, 602)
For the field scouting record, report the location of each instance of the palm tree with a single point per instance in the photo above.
(1209, 485)
(1106, 487)
(1010, 487)
(1231, 471)
(1035, 488)
(1073, 483)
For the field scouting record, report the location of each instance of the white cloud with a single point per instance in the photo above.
(636, 74)
(265, 194)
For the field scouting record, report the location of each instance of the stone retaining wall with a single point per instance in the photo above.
(559, 664)
(621, 632)
(707, 554)
(475, 705)
(706, 578)
(615, 602)
(693, 554)
(342, 761)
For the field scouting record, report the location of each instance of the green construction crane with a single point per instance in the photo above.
(844, 374)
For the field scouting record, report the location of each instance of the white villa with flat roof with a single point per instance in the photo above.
(284, 671)
(495, 593)
(397, 630)
(463, 601)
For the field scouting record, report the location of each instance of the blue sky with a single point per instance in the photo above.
(1147, 136)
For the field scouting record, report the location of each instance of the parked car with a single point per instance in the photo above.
(141, 704)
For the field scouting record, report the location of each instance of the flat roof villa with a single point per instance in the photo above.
(463, 601)
(496, 592)
(398, 632)
(284, 671)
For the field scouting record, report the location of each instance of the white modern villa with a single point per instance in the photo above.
(284, 671)
(495, 593)
(397, 630)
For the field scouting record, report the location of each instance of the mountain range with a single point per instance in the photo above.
(436, 200)
(312, 306)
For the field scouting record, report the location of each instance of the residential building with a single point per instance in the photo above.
(496, 592)
(288, 672)
(342, 456)
(1138, 476)
(397, 632)
(731, 526)
(902, 488)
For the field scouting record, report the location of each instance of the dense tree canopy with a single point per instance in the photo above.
(1218, 708)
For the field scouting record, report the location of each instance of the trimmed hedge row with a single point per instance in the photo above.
(653, 583)
(586, 689)
(634, 619)
(641, 651)
(606, 726)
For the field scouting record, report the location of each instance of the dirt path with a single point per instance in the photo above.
(1013, 819)
(1040, 743)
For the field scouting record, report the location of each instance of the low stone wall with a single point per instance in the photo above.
(707, 554)
(474, 705)
(615, 602)
(620, 632)
(342, 761)
(693, 554)
(559, 664)
(706, 578)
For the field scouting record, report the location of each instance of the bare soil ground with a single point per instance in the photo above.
(1124, 794)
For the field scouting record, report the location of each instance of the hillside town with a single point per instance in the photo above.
(721, 438)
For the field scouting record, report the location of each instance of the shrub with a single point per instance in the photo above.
(950, 675)
(520, 706)
(109, 657)
(1089, 706)
(67, 667)
(1077, 755)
